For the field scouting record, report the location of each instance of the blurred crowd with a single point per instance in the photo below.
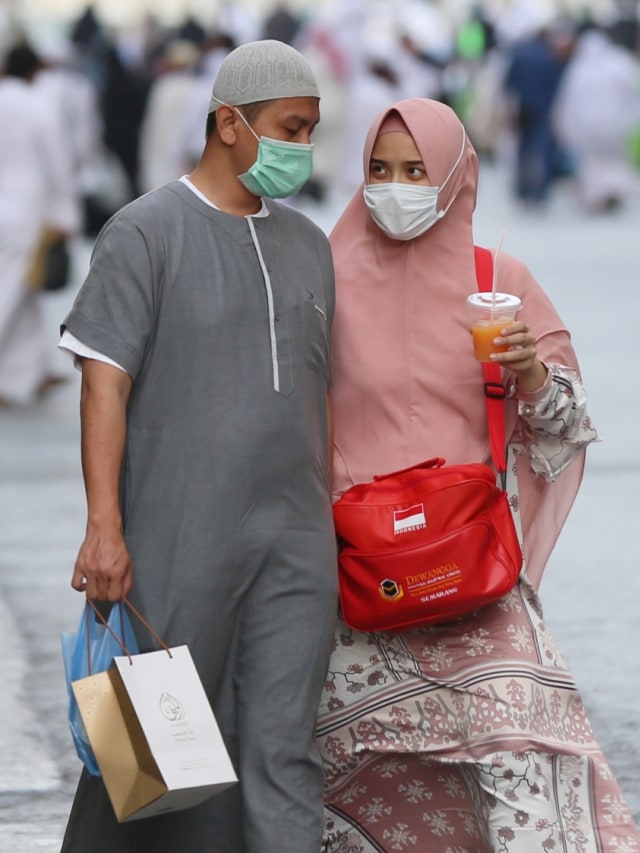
(95, 116)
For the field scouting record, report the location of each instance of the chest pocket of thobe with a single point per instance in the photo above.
(315, 330)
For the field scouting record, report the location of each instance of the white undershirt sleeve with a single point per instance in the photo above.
(77, 351)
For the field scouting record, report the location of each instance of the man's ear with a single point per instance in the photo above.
(226, 124)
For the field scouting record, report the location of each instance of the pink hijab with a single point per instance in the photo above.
(405, 384)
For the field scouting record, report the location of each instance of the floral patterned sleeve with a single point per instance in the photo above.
(553, 426)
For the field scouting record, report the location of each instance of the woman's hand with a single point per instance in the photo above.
(521, 357)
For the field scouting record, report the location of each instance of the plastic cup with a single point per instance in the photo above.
(489, 316)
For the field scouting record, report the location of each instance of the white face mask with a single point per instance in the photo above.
(404, 211)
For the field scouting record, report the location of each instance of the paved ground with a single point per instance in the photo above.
(591, 592)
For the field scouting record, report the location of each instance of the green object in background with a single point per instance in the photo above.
(462, 103)
(471, 40)
(633, 147)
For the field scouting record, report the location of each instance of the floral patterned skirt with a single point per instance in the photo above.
(469, 736)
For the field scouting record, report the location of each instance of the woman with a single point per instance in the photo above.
(468, 735)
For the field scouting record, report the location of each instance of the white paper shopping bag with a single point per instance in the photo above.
(153, 733)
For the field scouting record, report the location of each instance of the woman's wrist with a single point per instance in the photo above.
(533, 379)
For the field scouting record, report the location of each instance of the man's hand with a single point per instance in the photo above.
(103, 568)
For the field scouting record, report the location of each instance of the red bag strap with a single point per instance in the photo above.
(493, 388)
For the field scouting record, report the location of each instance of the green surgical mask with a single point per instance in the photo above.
(281, 168)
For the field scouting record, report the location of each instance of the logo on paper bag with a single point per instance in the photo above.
(411, 518)
(171, 709)
(390, 590)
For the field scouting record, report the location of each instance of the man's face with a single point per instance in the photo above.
(288, 119)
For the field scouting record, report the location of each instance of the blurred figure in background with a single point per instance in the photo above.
(66, 85)
(374, 83)
(162, 155)
(281, 24)
(124, 98)
(86, 30)
(37, 191)
(328, 57)
(532, 78)
(596, 110)
(625, 25)
(484, 114)
(395, 51)
(192, 132)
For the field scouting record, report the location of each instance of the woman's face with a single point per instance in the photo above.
(396, 159)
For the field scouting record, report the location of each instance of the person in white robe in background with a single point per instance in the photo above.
(74, 96)
(162, 154)
(192, 130)
(597, 106)
(36, 191)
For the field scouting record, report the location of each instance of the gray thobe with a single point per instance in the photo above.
(223, 324)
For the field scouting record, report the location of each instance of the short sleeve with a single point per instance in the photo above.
(114, 310)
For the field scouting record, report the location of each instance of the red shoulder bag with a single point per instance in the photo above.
(432, 542)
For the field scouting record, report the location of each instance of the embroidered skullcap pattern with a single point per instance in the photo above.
(262, 71)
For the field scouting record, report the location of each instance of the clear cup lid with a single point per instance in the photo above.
(501, 301)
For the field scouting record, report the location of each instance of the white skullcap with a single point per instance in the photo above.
(262, 71)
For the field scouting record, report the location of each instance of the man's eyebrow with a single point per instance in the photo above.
(301, 120)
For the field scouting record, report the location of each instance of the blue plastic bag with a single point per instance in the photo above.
(92, 649)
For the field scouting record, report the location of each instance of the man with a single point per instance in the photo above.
(532, 77)
(203, 329)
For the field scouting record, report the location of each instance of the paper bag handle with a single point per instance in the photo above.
(118, 640)
(144, 622)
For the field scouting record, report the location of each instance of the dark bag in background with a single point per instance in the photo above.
(50, 268)
(431, 542)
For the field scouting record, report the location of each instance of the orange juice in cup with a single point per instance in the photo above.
(489, 315)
